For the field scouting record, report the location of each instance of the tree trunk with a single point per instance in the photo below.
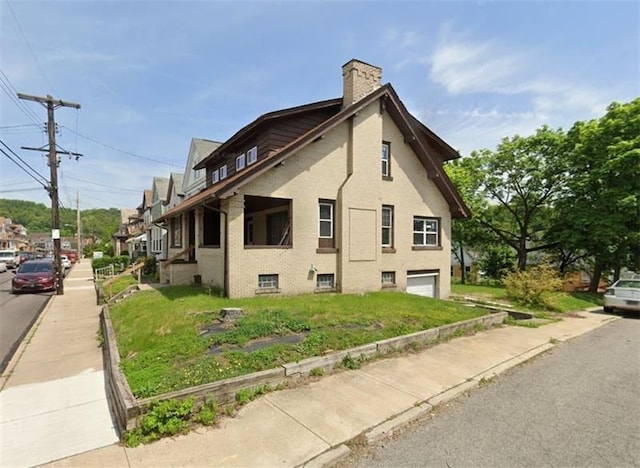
(463, 273)
(595, 279)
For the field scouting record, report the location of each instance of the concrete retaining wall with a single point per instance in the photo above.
(127, 409)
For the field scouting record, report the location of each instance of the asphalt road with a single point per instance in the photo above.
(17, 313)
(575, 406)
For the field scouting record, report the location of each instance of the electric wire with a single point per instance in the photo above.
(104, 185)
(44, 75)
(12, 94)
(21, 167)
(43, 181)
(120, 150)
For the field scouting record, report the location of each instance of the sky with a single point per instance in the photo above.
(151, 75)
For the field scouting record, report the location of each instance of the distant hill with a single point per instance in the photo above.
(96, 223)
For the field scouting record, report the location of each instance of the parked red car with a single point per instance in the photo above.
(34, 276)
(71, 254)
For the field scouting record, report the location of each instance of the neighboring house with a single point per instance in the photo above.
(345, 195)
(158, 236)
(194, 179)
(470, 267)
(128, 223)
(12, 235)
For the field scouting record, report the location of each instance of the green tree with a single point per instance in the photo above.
(520, 182)
(600, 210)
(467, 234)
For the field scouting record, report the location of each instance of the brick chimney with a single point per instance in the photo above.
(359, 79)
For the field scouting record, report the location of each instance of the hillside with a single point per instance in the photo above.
(96, 223)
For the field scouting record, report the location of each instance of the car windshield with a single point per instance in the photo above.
(628, 284)
(35, 267)
(7, 255)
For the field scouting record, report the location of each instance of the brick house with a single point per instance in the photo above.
(345, 195)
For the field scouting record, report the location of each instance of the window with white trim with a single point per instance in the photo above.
(215, 176)
(240, 162)
(426, 231)
(388, 278)
(252, 155)
(386, 159)
(387, 226)
(325, 220)
(267, 281)
(223, 172)
(325, 281)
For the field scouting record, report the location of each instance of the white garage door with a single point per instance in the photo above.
(422, 285)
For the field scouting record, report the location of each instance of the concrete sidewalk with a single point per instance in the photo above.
(310, 424)
(53, 401)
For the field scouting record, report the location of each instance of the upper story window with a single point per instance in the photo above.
(240, 162)
(223, 172)
(387, 226)
(215, 176)
(386, 159)
(426, 231)
(252, 155)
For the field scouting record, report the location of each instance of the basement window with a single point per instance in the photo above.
(326, 282)
(268, 281)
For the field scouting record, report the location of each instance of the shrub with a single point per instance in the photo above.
(150, 266)
(533, 285)
(98, 263)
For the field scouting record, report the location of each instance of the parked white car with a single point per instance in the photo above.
(65, 262)
(624, 294)
(3, 267)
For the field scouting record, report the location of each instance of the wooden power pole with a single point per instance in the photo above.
(52, 104)
(78, 228)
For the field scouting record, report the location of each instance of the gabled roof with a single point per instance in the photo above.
(175, 180)
(146, 200)
(419, 137)
(246, 130)
(160, 185)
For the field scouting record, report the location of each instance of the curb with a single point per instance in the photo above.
(23, 342)
(396, 423)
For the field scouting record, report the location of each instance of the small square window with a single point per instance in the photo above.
(325, 281)
(240, 162)
(223, 172)
(388, 278)
(215, 176)
(268, 281)
(252, 155)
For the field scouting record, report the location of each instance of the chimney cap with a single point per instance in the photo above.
(360, 61)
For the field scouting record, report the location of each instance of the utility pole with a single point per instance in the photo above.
(51, 104)
(78, 228)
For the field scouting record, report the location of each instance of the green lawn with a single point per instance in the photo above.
(558, 301)
(162, 347)
(119, 285)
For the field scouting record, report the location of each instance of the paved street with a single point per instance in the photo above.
(576, 405)
(17, 313)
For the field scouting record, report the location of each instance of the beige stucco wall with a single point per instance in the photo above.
(320, 170)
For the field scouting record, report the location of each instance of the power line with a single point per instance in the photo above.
(43, 181)
(118, 149)
(11, 92)
(44, 75)
(104, 185)
(21, 167)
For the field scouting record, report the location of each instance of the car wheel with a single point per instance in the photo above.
(608, 310)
